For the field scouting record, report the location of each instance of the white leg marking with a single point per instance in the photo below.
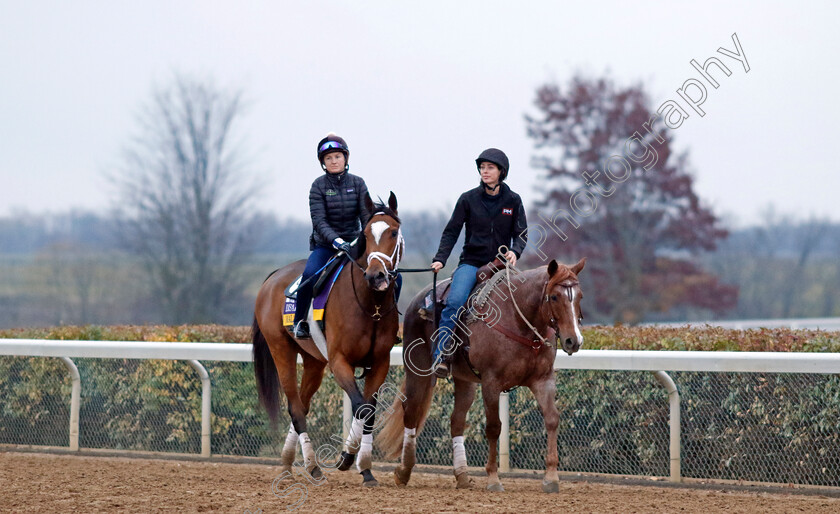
(365, 452)
(351, 446)
(459, 453)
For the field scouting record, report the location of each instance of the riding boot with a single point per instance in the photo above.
(301, 326)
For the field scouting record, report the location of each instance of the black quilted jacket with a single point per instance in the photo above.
(336, 205)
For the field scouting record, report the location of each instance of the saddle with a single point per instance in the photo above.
(320, 293)
(486, 279)
(320, 279)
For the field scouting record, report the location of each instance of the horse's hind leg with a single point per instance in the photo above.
(418, 392)
(313, 374)
(285, 359)
(545, 391)
(490, 392)
(464, 396)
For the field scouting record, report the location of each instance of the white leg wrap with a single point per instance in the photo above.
(351, 446)
(363, 461)
(287, 456)
(409, 437)
(459, 453)
(308, 451)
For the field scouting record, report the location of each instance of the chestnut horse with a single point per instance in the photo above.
(361, 323)
(530, 311)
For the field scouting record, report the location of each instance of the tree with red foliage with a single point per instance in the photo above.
(616, 193)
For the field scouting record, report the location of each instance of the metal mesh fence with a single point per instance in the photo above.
(782, 428)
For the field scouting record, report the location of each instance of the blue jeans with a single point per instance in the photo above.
(317, 259)
(463, 281)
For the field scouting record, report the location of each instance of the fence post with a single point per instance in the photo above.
(674, 407)
(75, 400)
(205, 407)
(504, 436)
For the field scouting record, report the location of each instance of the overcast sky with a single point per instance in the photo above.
(418, 89)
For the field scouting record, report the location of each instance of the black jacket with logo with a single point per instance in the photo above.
(336, 205)
(491, 222)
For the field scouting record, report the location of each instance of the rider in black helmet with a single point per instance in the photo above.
(336, 206)
(494, 216)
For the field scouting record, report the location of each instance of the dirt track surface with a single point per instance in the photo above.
(59, 483)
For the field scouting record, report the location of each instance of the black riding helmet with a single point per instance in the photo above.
(333, 143)
(497, 157)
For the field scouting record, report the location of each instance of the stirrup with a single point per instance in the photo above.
(302, 330)
(442, 370)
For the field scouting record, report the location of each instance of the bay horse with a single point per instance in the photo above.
(361, 323)
(531, 310)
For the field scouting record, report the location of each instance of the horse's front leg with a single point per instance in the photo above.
(345, 376)
(490, 392)
(545, 391)
(373, 382)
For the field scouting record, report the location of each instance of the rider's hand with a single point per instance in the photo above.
(511, 257)
(437, 266)
(341, 244)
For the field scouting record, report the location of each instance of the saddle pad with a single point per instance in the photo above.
(318, 303)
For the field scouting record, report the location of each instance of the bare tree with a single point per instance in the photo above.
(185, 203)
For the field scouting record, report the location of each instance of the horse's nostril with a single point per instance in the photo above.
(569, 342)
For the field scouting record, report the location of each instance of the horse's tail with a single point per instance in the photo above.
(390, 438)
(268, 383)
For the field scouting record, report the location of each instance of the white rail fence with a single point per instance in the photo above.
(657, 362)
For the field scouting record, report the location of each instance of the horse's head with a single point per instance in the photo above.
(562, 297)
(384, 245)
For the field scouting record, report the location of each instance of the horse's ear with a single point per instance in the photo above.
(577, 268)
(552, 268)
(368, 202)
(392, 202)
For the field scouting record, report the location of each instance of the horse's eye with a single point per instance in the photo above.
(554, 298)
(394, 233)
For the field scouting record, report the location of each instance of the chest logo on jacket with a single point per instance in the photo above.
(331, 192)
(509, 212)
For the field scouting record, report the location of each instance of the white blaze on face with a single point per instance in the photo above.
(377, 229)
(574, 318)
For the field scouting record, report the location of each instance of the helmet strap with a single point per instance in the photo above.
(488, 188)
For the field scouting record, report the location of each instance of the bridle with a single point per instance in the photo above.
(394, 261)
(545, 300)
(569, 290)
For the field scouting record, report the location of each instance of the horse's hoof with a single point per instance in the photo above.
(551, 487)
(346, 460)
(369, 480)
(316, 472)
(401, 476)
(496, 487)
(463, 481)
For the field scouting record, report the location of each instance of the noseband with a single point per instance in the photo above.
(393, 259)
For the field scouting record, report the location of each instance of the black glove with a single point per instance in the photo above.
(345, 247)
